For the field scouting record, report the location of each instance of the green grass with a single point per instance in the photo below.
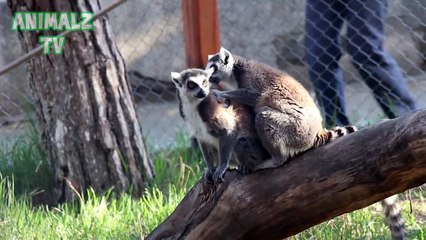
(26, 162)
(108, 217)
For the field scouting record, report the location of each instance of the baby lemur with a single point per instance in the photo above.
(287, 119)
(223, 127)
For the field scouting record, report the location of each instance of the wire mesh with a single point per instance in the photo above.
(149, 34)
(151, 43)
(274, 32)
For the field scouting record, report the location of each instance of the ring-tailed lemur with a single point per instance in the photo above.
(226, 127)
(287, 119)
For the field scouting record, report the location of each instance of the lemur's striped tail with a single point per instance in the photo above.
(327, 135)
(393, 218)
(390, 208)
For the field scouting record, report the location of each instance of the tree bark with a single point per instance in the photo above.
(348, 174)
(84, 107)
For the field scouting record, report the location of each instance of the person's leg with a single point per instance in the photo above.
(322, 26)
(377, 68)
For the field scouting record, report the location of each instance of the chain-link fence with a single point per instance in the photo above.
(274, 32)
(14, 97)
(149, 34)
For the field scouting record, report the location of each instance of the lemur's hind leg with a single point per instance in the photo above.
(283, 134)
(250, 153)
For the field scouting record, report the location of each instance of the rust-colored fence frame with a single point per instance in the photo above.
(201, 30)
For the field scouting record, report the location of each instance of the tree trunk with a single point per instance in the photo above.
(84, 107)
(348, 174)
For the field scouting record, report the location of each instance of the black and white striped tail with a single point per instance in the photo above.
(391, 210)
(393, 218)
(337, 132)
(328, 135)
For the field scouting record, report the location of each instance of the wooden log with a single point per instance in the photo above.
(348, 174)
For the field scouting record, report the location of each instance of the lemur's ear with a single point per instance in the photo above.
(209, 72)
(209, 56)
(175, 76)
(224, 54)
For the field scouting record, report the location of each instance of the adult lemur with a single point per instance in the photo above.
(223, 127)
(287, 119)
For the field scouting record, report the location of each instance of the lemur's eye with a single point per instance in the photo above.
(191, 85)
(205, 83)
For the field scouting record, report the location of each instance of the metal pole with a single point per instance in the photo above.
(201, 30)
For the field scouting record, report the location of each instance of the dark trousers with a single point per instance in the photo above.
(365, 32)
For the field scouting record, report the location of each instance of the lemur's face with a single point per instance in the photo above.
(192, 83)
(221, 63)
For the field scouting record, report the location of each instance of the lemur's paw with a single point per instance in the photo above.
(208, 178)
(218, 176)
(244, 170)
(221, 97)
(207, 184)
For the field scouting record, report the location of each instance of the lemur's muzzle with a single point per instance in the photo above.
(200, 94)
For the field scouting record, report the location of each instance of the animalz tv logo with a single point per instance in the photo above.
(54, 21)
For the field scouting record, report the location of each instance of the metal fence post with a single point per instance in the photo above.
(201, 30)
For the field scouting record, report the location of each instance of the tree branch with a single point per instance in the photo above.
(348, 174)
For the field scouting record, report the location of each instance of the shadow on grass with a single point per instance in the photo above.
(26, 163)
